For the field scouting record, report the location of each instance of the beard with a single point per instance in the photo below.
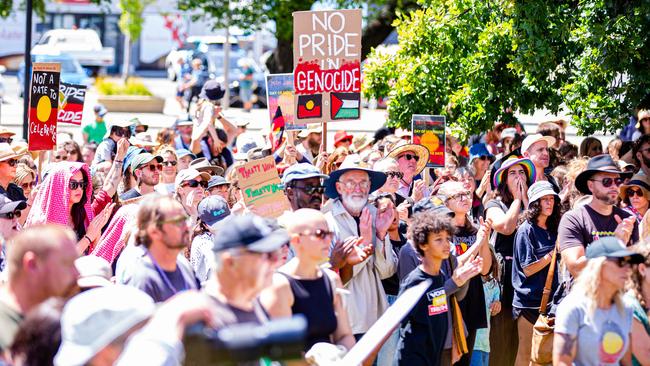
(646, 161)
(604, 197)
(314, 145)
(354, 205)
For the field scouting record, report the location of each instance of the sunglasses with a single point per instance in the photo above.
(73, 185)
(11, 215)
(483, 157)
(71, 152)
(61, 157)
(632, 192)
(398, 175)
(154, 167)
(178, 221)
(11, 162)
(608, 182)
(123, 132)
(319, 233)
(311, 189)
(8, 140)
(169, 163)
(410, 157)
(193, 183)
(623, 262)
(28, 185)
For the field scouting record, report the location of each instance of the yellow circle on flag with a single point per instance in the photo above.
(612, 343)
(309, 105)
(43, 108)
(430, 141)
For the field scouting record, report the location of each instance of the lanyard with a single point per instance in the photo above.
(164, 276)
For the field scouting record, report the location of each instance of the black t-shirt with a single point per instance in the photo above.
(583, 225)
(424, 330)
(503, 243)
(475, 299)
(13, 192)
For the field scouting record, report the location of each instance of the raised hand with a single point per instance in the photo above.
(384, 219)
(122, 148)
(365, 226)
(93, 231)
(485, 228)
(403, 210)
(624, 228)
(358, 253)
(464, 273)
(418, 190)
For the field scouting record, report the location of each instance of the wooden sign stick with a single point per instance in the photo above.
(324, 137)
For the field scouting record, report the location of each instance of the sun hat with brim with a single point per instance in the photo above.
(203, 165)
(7, 205)
(189, 174)
(528, 165)
(6, 152)
(341, 136)
(421, 151)
(602, 163)
(252, 232)
(143, 159)
(143, 139)
(639, 180)
(360, 142)
(311, 128)
(353, 162)
(93, 319)
(6, 131)
(93, 272)
(531, 139)
(540, 189)
(612, 247)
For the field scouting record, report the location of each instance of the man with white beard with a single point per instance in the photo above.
(350, 216)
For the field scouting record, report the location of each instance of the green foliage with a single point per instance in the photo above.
(131, 20)
(6, 6)
(131, 87)
(477, 61)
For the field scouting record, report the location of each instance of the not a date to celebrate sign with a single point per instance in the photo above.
(43, 130)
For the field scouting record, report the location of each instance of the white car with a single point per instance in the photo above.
(193, 47)
(83, 45)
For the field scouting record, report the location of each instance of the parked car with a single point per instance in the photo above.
(83, 45)
(195, 47)
(71, 70)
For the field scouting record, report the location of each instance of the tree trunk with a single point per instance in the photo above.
(281, 61)
(126, 63)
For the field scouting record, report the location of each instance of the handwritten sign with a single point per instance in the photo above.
(429, 131)
(71, 103)
(279, 97)
(43, 105)
(327, 65)
(261, 187)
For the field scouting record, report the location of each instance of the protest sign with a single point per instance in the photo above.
(71, 103)
(279, 97)
(261, 187)
(43, 105)
(327, 66)
(429, 131)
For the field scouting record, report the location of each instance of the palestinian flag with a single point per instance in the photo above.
(345, 105)
(277, 129)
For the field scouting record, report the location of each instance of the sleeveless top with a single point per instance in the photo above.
(314, 298)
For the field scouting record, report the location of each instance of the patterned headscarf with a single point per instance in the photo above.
(117, 233)
(51, 204)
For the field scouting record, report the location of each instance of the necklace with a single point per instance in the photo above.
(164, 276)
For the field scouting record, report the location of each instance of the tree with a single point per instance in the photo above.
(130, 24)
(7, 6)
(477, 61)
(251, 15)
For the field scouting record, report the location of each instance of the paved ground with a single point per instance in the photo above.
(11, 114)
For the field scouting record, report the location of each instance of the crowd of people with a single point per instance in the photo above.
(112, 248)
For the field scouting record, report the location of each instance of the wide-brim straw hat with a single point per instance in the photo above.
(641, 181)
(421, 151)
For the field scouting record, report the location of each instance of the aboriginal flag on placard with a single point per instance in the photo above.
(277, 129)
(345, 105)
(310, 106)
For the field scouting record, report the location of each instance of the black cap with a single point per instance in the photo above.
(7, 205)
(212, 91)
(432, 204)
(252, 232)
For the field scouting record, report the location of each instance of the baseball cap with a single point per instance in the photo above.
(93, 272)
(213, 209)
(189, 173)
(611, 247)
(131, 153)
(93, 319)
(531, 139)
(144, 159)
(252, 232)
(184, 152)
(184, 120)
(7, 205)
(212, 91)
(100, 110)
(217, 180)
(428, 205)
(509, 132)
(301, 171)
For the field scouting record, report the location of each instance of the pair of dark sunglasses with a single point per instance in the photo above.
(7, 140)
(319, 233)
(410, 157)
(73, 185)
(154, 167)
(633, 192)
(608, 182)
(623, 262)
(11, 162)
(193, 183)
(169, 163)
(11, 215)
(24, 186)
(311, 189)
(398, 175)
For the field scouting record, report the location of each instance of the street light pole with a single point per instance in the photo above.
(28, 68)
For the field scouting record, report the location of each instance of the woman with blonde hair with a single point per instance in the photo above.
(169, 170)
(26, 179)
(593, 323)
(639, 296)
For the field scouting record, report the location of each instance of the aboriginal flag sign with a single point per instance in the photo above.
(429, 131)
(43, 105)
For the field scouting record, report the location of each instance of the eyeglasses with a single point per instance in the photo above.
(8, 140)
(178, 221)
(10, 215)
(410, 157)
(311, 189)
(632, 192)
(319, 233)
(10, 162)
(193, 183)
(73, 185)
(27, 185)
(607, 182)
(623, 262)
(70, 152)
(461, 196)
(398, 175)
(169, 163)
(349, 185)
(154, 167)
(483, 157)
(61, 157)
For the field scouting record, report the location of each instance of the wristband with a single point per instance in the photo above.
(118, 161)
(87, 237)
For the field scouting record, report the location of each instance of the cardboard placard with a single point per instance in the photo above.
(261, 187)
(43, 105)
(429, 131)
(71, 103)
(279, 97)
(327, 65)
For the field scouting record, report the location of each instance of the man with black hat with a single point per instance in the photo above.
(599, 218)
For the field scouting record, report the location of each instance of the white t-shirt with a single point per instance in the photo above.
(602, 338)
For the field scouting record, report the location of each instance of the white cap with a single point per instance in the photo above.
(93, 271)
(93, 319)
(189, 173)
(531, 139)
